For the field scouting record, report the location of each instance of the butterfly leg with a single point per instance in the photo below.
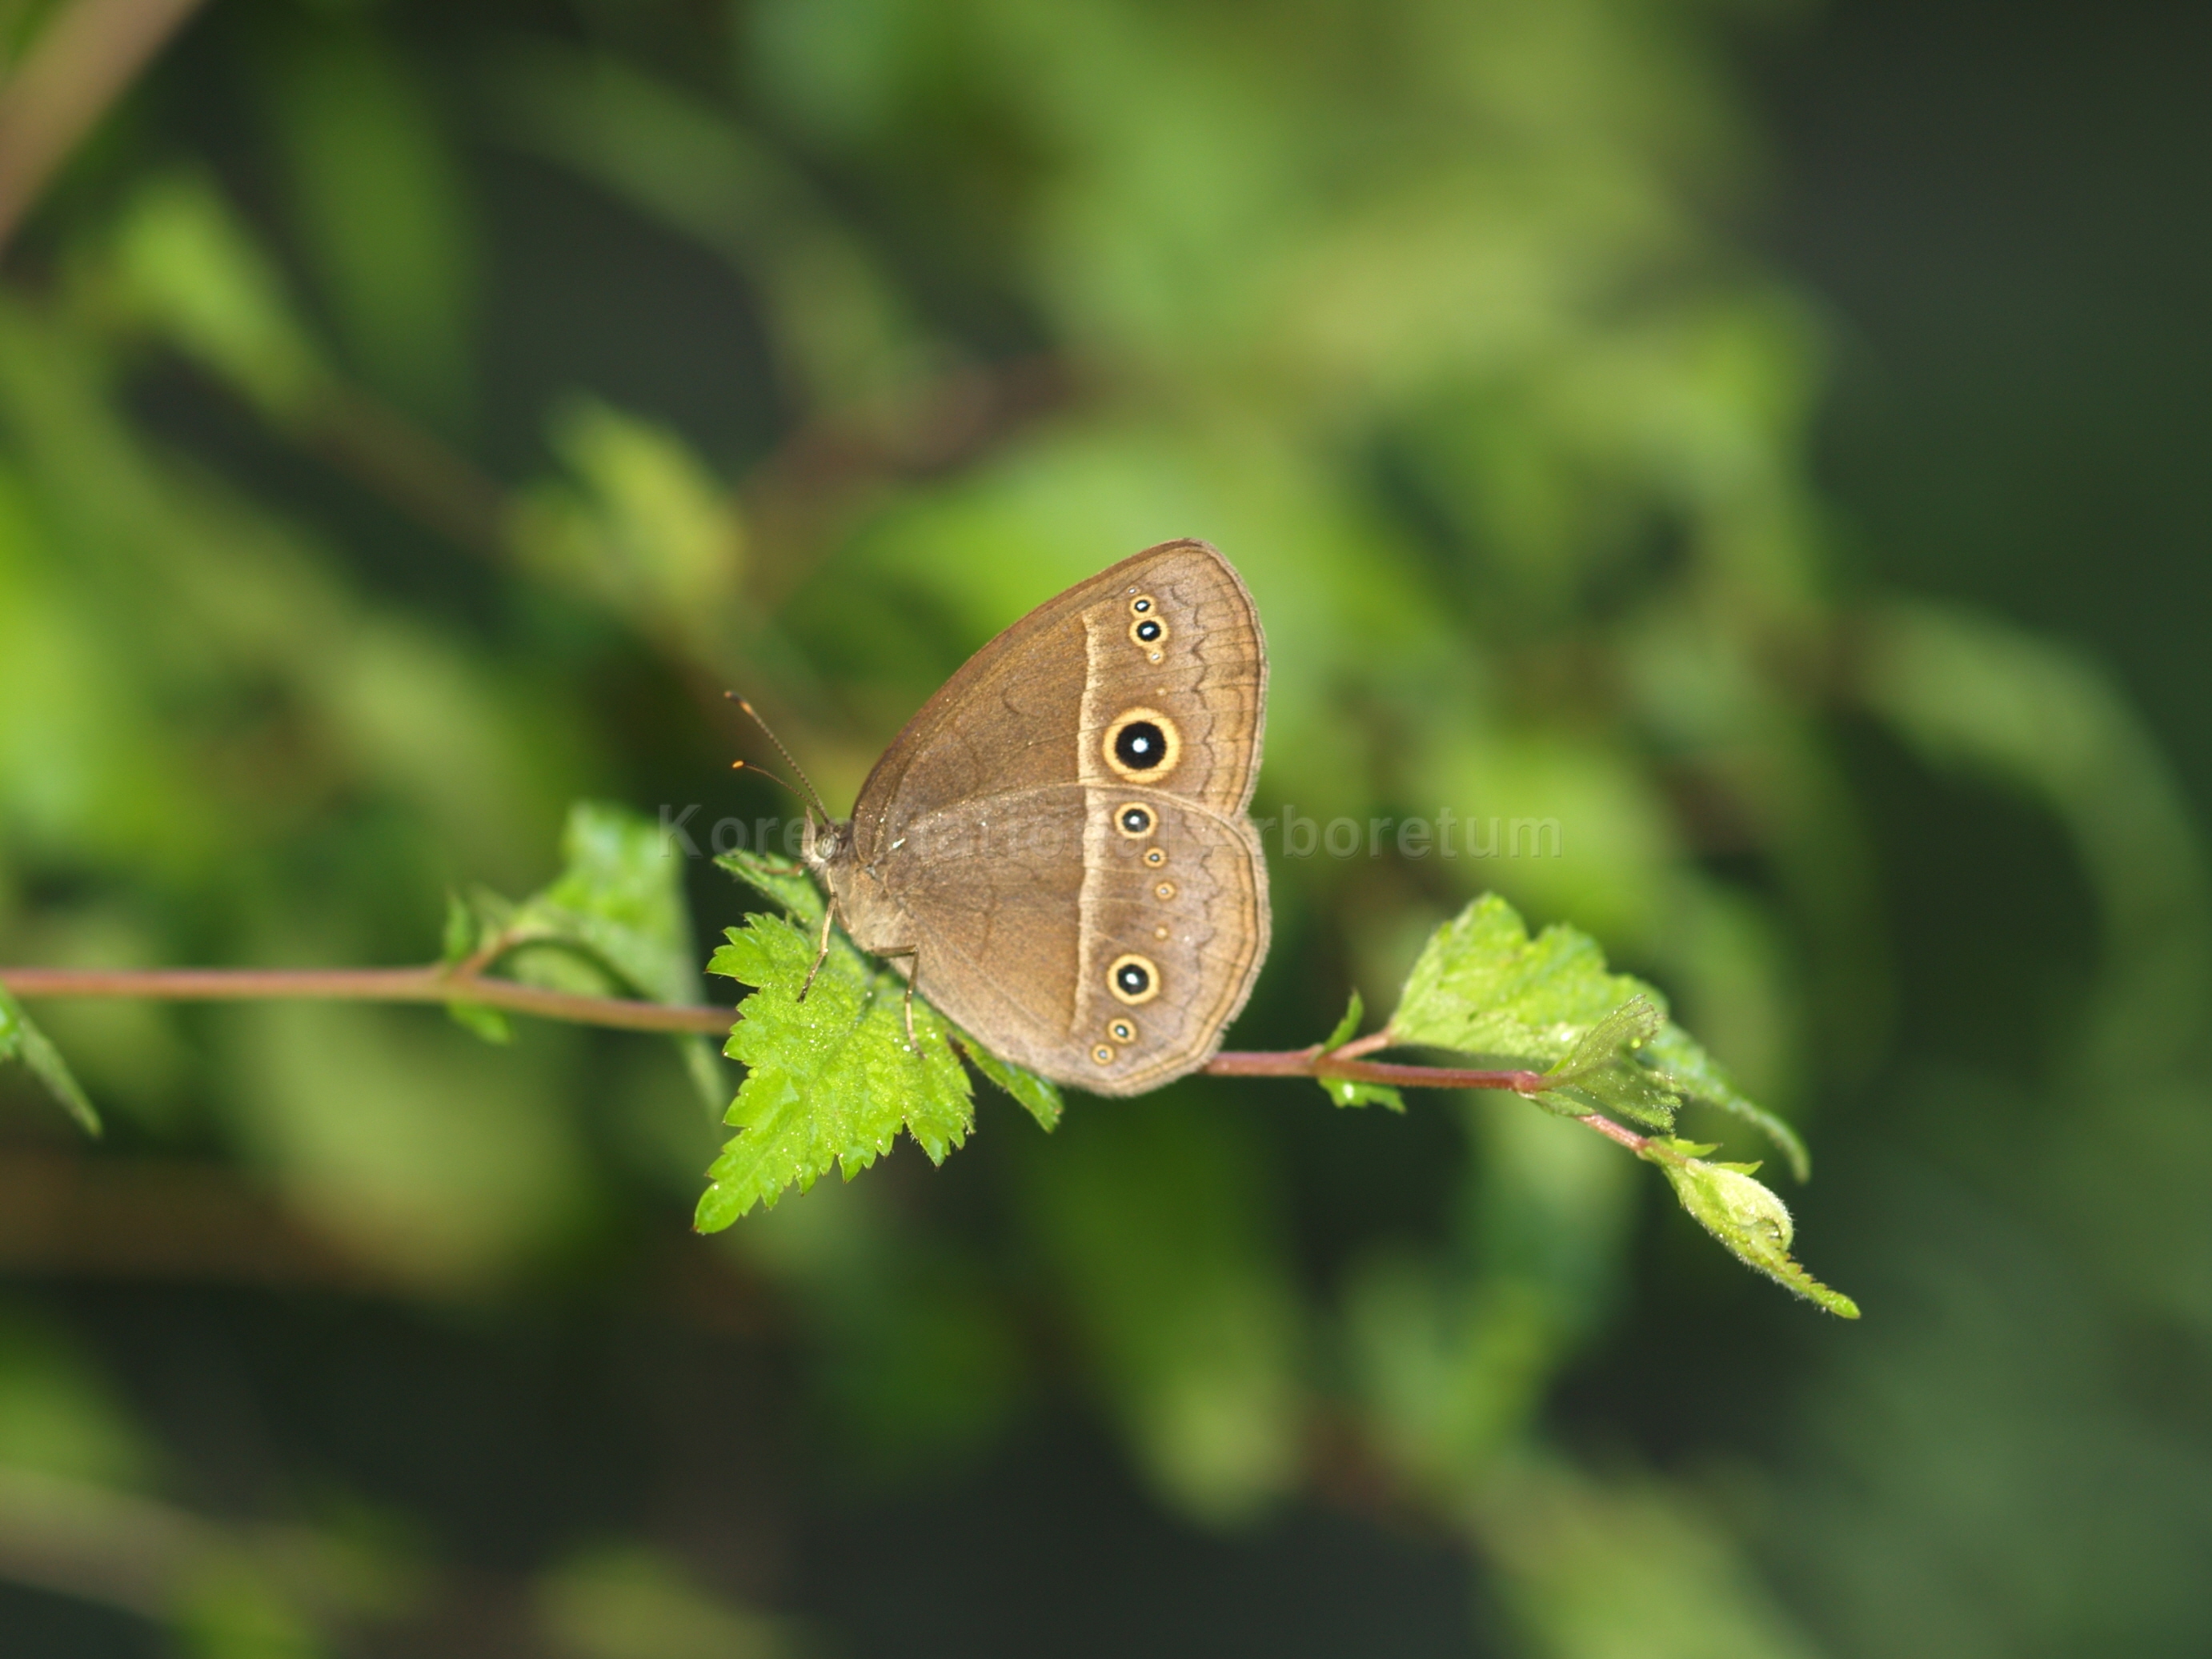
(821, 950)
(913, 955)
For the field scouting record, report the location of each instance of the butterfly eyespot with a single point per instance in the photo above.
(1142, 745)
(1142, 604)
(1121, 1031)
(1166, 889)
(1155, 857)
(1134, 819)
(1160, 932)
(1149, 632)
(1102, 1055)
(1133, 979)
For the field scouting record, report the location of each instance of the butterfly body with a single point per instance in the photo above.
(1056, 846)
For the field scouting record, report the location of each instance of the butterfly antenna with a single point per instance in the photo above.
(775, 778)
(812, 797)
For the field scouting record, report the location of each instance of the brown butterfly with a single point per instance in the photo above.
(1055, 849)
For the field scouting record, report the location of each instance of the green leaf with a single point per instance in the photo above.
(1345, 1092)
(1038, 1095)
(20, 1039)
(1744, 1215)
(1697, 1073)
(1348, 1092)
(787, 883)
(619, 899)
(1602, 1074)
(467, 930)
(831, 1081)
(187, 267)
(1483, 987)
(1348, 1027)
(615, 922)
(645, 527)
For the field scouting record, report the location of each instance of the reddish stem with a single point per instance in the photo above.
(436, 983)
(1314, 1063)
(462, 983)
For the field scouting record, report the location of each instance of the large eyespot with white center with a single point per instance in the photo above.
(1149, 634)
(1143, 745)
(1134, 819)
(1133, 979)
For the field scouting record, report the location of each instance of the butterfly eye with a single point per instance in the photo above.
(1133, 979)
(1134, 820)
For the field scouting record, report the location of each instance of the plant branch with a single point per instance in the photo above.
(466, 983)
(434, 983)
(1342, 1064)
(79, 66)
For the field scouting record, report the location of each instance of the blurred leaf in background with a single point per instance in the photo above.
(413, 418)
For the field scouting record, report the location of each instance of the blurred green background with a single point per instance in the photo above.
(1769, 440)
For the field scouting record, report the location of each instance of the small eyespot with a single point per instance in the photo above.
(1155, 856)
(1160, 932)
(1142, 604)
(1133, 979)
(1134, 819)
(1148, 633)
(1102, 1055)
(1121, 1031)
(1166, 889)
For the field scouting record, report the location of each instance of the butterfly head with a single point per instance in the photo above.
(829, 842)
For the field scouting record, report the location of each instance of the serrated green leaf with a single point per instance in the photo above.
(831, 1081)
(1751, 1222)
(1483, 987)
(21, 1039)
(1040, 1096)
(787, 883)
